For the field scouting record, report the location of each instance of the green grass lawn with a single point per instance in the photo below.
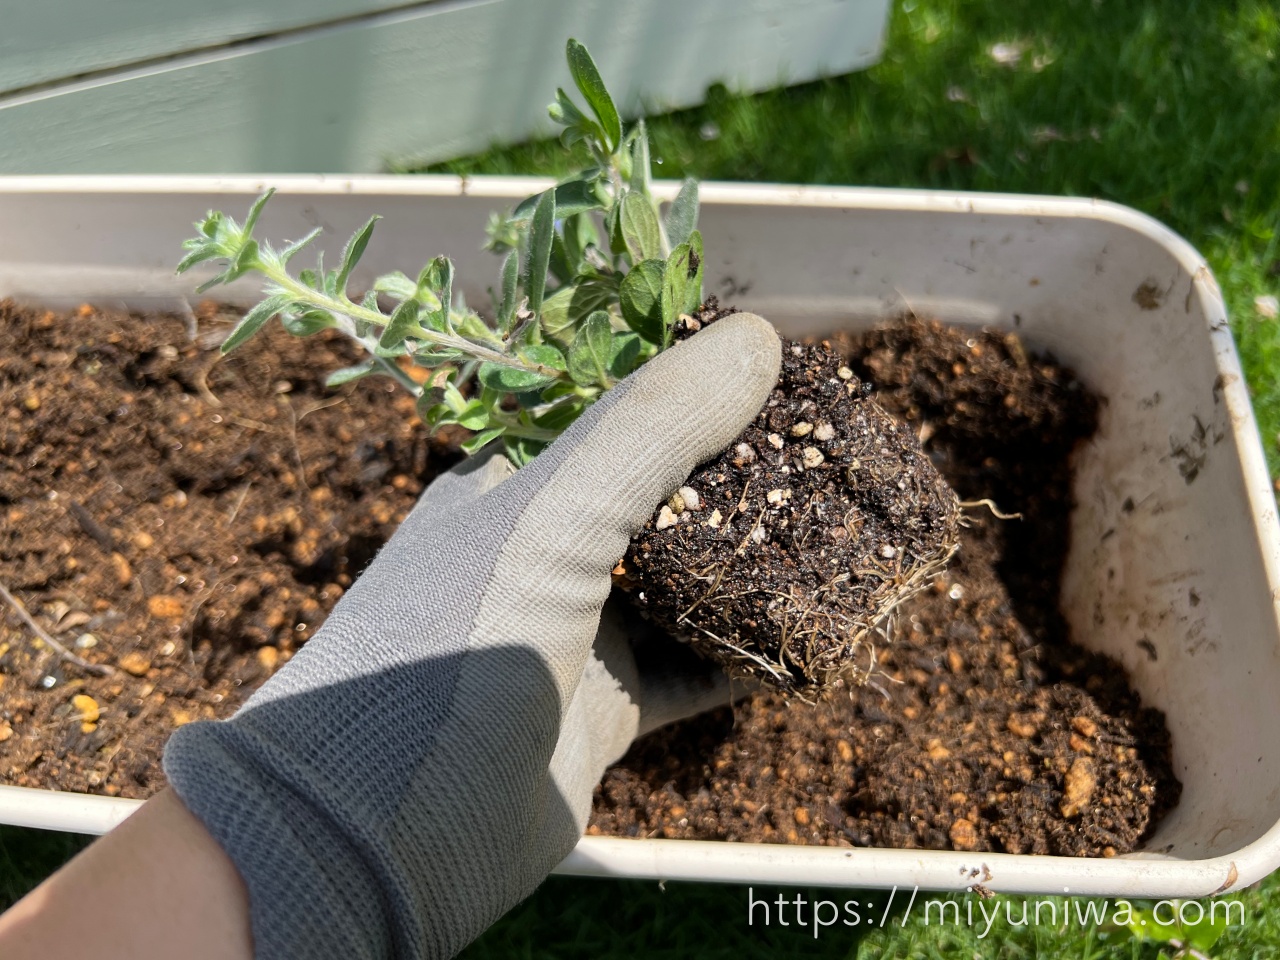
(1169, 106)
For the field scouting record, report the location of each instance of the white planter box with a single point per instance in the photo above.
(1065, 273)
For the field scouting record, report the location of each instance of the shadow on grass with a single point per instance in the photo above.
(571, 917)
(28, 856)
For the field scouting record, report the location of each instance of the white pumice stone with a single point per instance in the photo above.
(714, 519)
(801, 429)
(775, 441)
(824, 432)
(812, 457)
(692, 500)
(745, 452)
(888, 552)
(665, 518)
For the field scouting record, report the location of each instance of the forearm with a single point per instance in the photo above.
(157, 886)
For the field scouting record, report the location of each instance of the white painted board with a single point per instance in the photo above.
(57, 39)
(430, 82)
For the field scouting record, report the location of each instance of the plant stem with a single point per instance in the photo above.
(341, 306)
(515, 428)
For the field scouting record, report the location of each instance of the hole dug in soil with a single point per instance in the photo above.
(191, 520)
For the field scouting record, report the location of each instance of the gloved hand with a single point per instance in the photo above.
(429, 756)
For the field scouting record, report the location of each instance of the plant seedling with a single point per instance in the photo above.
(592, 284)
(781, 558)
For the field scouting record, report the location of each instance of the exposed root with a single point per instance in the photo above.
(990, 505)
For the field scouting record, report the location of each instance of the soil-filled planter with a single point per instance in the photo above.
(1172, 546)
(978, 725)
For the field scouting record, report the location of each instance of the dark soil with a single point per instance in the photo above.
(190, 520)
(985, 727)
(186, 519)
(781, 557)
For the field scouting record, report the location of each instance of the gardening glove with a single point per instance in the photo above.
(429, 756)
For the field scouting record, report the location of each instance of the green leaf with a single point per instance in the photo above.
(545, 355)
(639, 225)
(682, 217)
(557, 319)
(306, 323)
(255, 211)
(569, 306)
(592, 87)
(349, 374)
(430, 410)
(613, 229)
(204, 251)
(589, 353)
(640, 161)
(474, 416)
(561, 415)
(641, 299)
(577, 233)
(436, 278)
(564, 111)
(403, 323)
(396, 285)
(352, 253)
(210, 224)
(624, 354)
(297, 245)
(434, 358)
(435, 284)
(510, 278)
(212, 282)
(682, 282)
(507, 379)
(510, 379)
(473, 327)
(559, 262)
(530, 398)
(578, 195)
(246, 260)
(501, 233)
(328, 278)
(540, 232)
(481, 439)
(520, 450)
(254, 321)
(578, 126)
(388, 353)
(693, 292)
